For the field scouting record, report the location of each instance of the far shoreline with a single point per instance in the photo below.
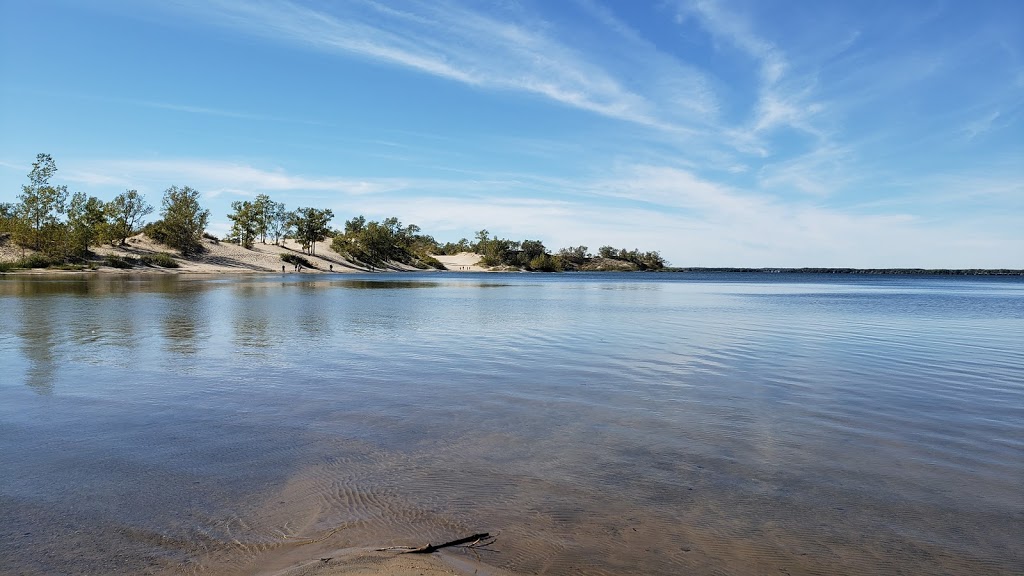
(142, 256)
(859, 271)
(156, 271)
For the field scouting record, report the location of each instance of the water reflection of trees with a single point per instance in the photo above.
(251, 324)
(184, 323)
(119, 317)
(94, 285)
(38, 344)
(179, 329)
(313, 318)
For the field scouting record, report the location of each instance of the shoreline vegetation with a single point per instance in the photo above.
(49, 230)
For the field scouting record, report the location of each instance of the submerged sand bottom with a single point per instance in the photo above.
(567, 504)
(333, 517)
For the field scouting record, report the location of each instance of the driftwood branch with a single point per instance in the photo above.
(471, 540)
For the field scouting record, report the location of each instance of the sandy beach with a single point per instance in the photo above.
(226, 258)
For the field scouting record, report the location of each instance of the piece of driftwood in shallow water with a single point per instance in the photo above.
(470, 540)
(482, 539)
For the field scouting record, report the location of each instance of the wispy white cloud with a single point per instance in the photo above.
(213, 178)
(199, 110)
(459, 43)
(713, 223)
(737, 30)
(15, 166)
(779, 103)
(821, 172)
(996, 190)
(982, 125)
(223, 113)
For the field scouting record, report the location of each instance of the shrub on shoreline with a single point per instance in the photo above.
(35, 261)
(296, 260)
(122, 263)
(160, 260)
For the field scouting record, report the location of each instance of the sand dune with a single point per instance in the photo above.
(222, 257)
(226, 258)
(462, 262)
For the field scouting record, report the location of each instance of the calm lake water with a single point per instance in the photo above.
(599, 424)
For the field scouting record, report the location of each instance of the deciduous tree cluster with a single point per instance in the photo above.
(375, 243)
(62, 229)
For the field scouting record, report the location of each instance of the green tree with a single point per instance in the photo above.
(12, 226)
(481, 238)
(642, 260)
(355, 225)
(87, 222)
(184, 220)
(263, 213)
(496, 251)
(125, 213)
(573, 254)
(8, 217)
(41, 203)
(245, 222)
(279, 222)
(545, 263)
(462, 245)
(311, 226)
(652, 260)
(376, 243)
(530, 250)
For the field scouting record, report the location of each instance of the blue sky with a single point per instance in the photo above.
(722, 133)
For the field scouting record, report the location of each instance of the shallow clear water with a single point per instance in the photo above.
(600, 424)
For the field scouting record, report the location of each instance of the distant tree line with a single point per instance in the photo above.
(60, 228)
(375, 243)
(533, 255)
(643, 260)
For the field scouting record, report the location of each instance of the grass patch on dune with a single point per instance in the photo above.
(160, 260)
(121, 262)
(35, 261)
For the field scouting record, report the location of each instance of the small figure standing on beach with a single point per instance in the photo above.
(282, 268)
(332, 267)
